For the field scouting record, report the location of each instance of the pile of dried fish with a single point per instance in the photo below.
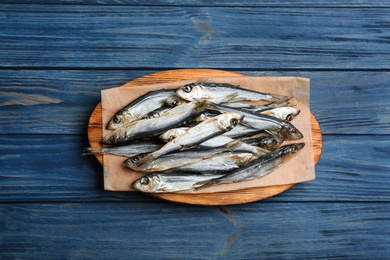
(201, 135)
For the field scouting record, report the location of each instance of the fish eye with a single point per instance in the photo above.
(116, 119)
(273, 142)
(112, 139)
(289, 118)
(187, 88)
(135, 159)
(293, 130)
(144, 181)
(175, 103)
(234, 122)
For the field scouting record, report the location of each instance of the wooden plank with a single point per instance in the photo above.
(77, 36)
(50, 168)
(174, 231)
(61, 101)
(230, 3)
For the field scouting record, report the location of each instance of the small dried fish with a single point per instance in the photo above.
(264, 140)
(139, 107)
(172, 160)
(153, 126)
(212, 91)
(170, 182)
(218, 141)
(198, 134)
(264, 122)
(257, 168)
(219, 163)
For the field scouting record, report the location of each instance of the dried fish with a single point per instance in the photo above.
(169, 182)
(153, 126)
(139, 107)
(264, 140)
(284, 113)
(264, 122)
(172, 160)
(198, 134)
(257, 168)
(212, 91)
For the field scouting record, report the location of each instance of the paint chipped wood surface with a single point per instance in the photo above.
(56, 57)
(218, 198)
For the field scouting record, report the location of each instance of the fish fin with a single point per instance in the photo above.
(277, 97)
(231, 98)
(92, 150)
(211, 106)
(202, 80)
(201, 106)
(146, 160)
(232, 144)
(272, 132)
(261, 151)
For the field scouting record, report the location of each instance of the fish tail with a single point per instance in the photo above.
(201, 106)
(92, 150)
(146, 160)
(284, 102)
(205, 184)
(211, 106)
(231, 98)
(277, 97)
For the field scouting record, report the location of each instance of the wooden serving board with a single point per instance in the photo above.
(219, 198)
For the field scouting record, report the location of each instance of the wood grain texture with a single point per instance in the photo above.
(343, 102)
(173, 231)
(55, 57)
(50, 168)
(215, 3)
(95, 137)
(75, 36)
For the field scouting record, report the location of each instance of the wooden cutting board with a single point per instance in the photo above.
(220, 198)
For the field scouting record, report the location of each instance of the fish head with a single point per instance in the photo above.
(289, 113)
(116, 137)
(229, 120)
(174, 101)
(148, 183)
(271, 143)
(111, 138)
(119, 119)
(135, 161)
(191, 92)
(292, 133)
(171, 134)
(291, 150)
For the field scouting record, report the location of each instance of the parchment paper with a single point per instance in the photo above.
(300, 168)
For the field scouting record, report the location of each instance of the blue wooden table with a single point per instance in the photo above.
(56, 57)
